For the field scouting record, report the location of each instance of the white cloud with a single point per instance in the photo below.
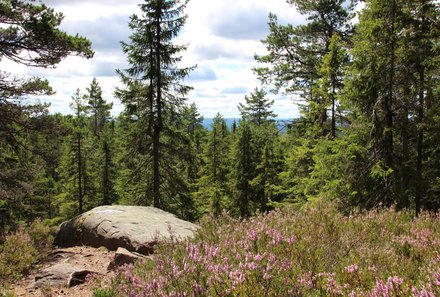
(222, 38)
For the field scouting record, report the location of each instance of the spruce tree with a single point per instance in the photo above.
(390, 86)
(99, 109)
(257, 107)
(102, 154)
(244, 169)
(154, 96)
(213, 183)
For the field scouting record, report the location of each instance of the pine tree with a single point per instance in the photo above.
(295, 53)
(154, 95)
(29, 35)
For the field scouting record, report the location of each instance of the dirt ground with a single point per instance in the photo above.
(84, 257)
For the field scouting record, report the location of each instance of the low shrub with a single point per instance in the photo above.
(17, 255)
(312, 252)
(20, 251)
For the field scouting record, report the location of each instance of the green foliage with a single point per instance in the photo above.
(20, 251)
(213, 189)
(104, 292)
(17, 255)
(257, 108)
(315, 251)
(30, 36)
(154, 98)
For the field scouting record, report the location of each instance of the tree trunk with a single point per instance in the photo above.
(420, 120)
(388, 137)
(80, 174)
(333, 131)
(158, 125)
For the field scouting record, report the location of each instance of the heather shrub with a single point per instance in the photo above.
(17, 255)
(41, 236)
(312, 252)
(22, 250)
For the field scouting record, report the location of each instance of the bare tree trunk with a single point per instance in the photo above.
(80, 174)
(158, 125)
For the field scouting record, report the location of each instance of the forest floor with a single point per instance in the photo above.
(83, 257)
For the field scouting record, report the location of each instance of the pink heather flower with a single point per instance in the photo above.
(267, 276)
(292, 239)
(423, 293)
(276, 236)
(381, 290)
(252, 235)
(352, 268)
(395, 280)
(259, 257)
(436, 278)
(252, 266)
(198, 289)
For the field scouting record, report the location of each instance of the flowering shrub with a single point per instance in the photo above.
(312, 252)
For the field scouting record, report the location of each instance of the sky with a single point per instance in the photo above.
(222, 38)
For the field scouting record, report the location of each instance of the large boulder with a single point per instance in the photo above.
(136, 228)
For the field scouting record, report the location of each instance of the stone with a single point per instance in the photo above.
(135, 228)
(60, 275)
(125, 257)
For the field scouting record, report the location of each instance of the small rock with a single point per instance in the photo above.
(60, 275)
(124, 257)
(78, 277)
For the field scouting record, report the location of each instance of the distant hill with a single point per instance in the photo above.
(207, 122)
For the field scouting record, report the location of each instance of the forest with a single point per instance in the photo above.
(367, 137)
(368, 134)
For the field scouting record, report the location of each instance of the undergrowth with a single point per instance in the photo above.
(312, 252)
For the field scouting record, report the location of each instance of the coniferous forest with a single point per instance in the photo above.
(368, 135)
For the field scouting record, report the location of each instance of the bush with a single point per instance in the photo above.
(312, 252)
(17, 255)
(22, 250)
(41, 236)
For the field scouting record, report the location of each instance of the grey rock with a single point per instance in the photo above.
(135, 228)
(61, 275)
(125, 257)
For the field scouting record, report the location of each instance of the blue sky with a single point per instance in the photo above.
(222, 38)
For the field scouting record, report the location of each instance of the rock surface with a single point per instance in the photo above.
(124, 257)
(64, 268)
(135, 228)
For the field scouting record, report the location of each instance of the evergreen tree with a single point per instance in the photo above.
(295, 53)
(213, 183)
(102, 154)
(78, 185)
(29, 35)
(244, 168)
(390, 87)
(99, 108)
(257, 107)
(331, 79)
(269, 162)
(154, 97)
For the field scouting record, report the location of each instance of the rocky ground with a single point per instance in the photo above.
(86, 259)
(53, 282)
